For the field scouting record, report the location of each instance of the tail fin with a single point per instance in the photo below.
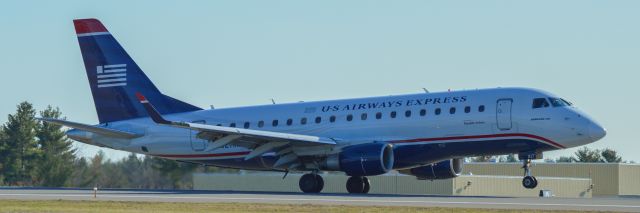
(115, 78)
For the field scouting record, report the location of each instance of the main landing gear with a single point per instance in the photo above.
(529, 181)
(313, 183)
(358, 185)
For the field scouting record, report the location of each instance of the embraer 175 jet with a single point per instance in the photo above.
(425, 135)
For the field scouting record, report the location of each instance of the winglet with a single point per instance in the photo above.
(153, 113)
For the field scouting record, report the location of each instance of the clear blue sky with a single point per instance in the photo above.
(234, 53)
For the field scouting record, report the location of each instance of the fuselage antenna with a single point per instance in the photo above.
(425, 90)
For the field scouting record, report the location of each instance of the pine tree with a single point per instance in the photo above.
(152, 177)
(565, 159)
(56, 161)
(175, 171)
(610, 156)
(95, 170)
(130, 166)
(21, 148)
(587, 155)
(112, 175)
(2, 153)
(80, 175)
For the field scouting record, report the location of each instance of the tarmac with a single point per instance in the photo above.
(625, 204)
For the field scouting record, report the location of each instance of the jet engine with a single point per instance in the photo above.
(441, 170)
(362, 159)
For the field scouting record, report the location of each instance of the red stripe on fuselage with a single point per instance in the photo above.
(479, 137)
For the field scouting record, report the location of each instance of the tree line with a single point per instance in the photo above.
(582, 155)
(35, 153)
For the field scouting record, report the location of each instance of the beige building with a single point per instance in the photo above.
(607, 178)
(475, 185)
(486, 179)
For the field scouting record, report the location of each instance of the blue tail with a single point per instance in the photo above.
(115, 78)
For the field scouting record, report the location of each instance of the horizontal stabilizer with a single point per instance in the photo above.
(94, 129)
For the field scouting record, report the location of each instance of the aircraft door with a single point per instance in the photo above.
(503, 114)
(197, 144)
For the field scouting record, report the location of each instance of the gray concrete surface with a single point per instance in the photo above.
(627, 204)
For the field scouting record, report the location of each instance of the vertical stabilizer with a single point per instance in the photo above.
(115, 78)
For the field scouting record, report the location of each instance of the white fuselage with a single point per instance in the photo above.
(470, 118)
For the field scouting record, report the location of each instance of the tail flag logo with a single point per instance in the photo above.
(113, 75)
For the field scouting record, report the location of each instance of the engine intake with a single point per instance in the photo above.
(441, 170)
(362, 159)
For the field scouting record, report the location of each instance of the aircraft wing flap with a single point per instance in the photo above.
(267, 135)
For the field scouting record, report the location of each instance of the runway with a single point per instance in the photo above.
(627, 204)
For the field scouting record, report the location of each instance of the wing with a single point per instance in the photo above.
(287, 146)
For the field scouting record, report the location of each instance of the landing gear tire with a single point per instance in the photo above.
(529, 182)
(358, 185)
(367, 185)
(311, 183)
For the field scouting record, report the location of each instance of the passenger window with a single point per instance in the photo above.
(407, 113)
(218, 124)
(274, 123)
(467, 109)
(289, 122)
(363, 116)
(539, 103)
(349, 117)
(246, 125)
(423, 112)
(481, 108)
(452, 110)
(438, 110)
(260, 124)
(379, 115)
(232, 125)
(318, 119)
(303, 121)
(332, 119)
(393, 114)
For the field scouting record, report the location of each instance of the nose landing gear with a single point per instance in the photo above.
(529, 181)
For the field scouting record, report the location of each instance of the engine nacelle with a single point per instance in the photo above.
(362, 159)
(441, 170)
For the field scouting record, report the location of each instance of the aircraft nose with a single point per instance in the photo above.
(596, 132)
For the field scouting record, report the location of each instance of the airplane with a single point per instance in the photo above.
(426, 135)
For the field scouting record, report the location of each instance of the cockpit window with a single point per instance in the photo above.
(540, 102)
(558, 102)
